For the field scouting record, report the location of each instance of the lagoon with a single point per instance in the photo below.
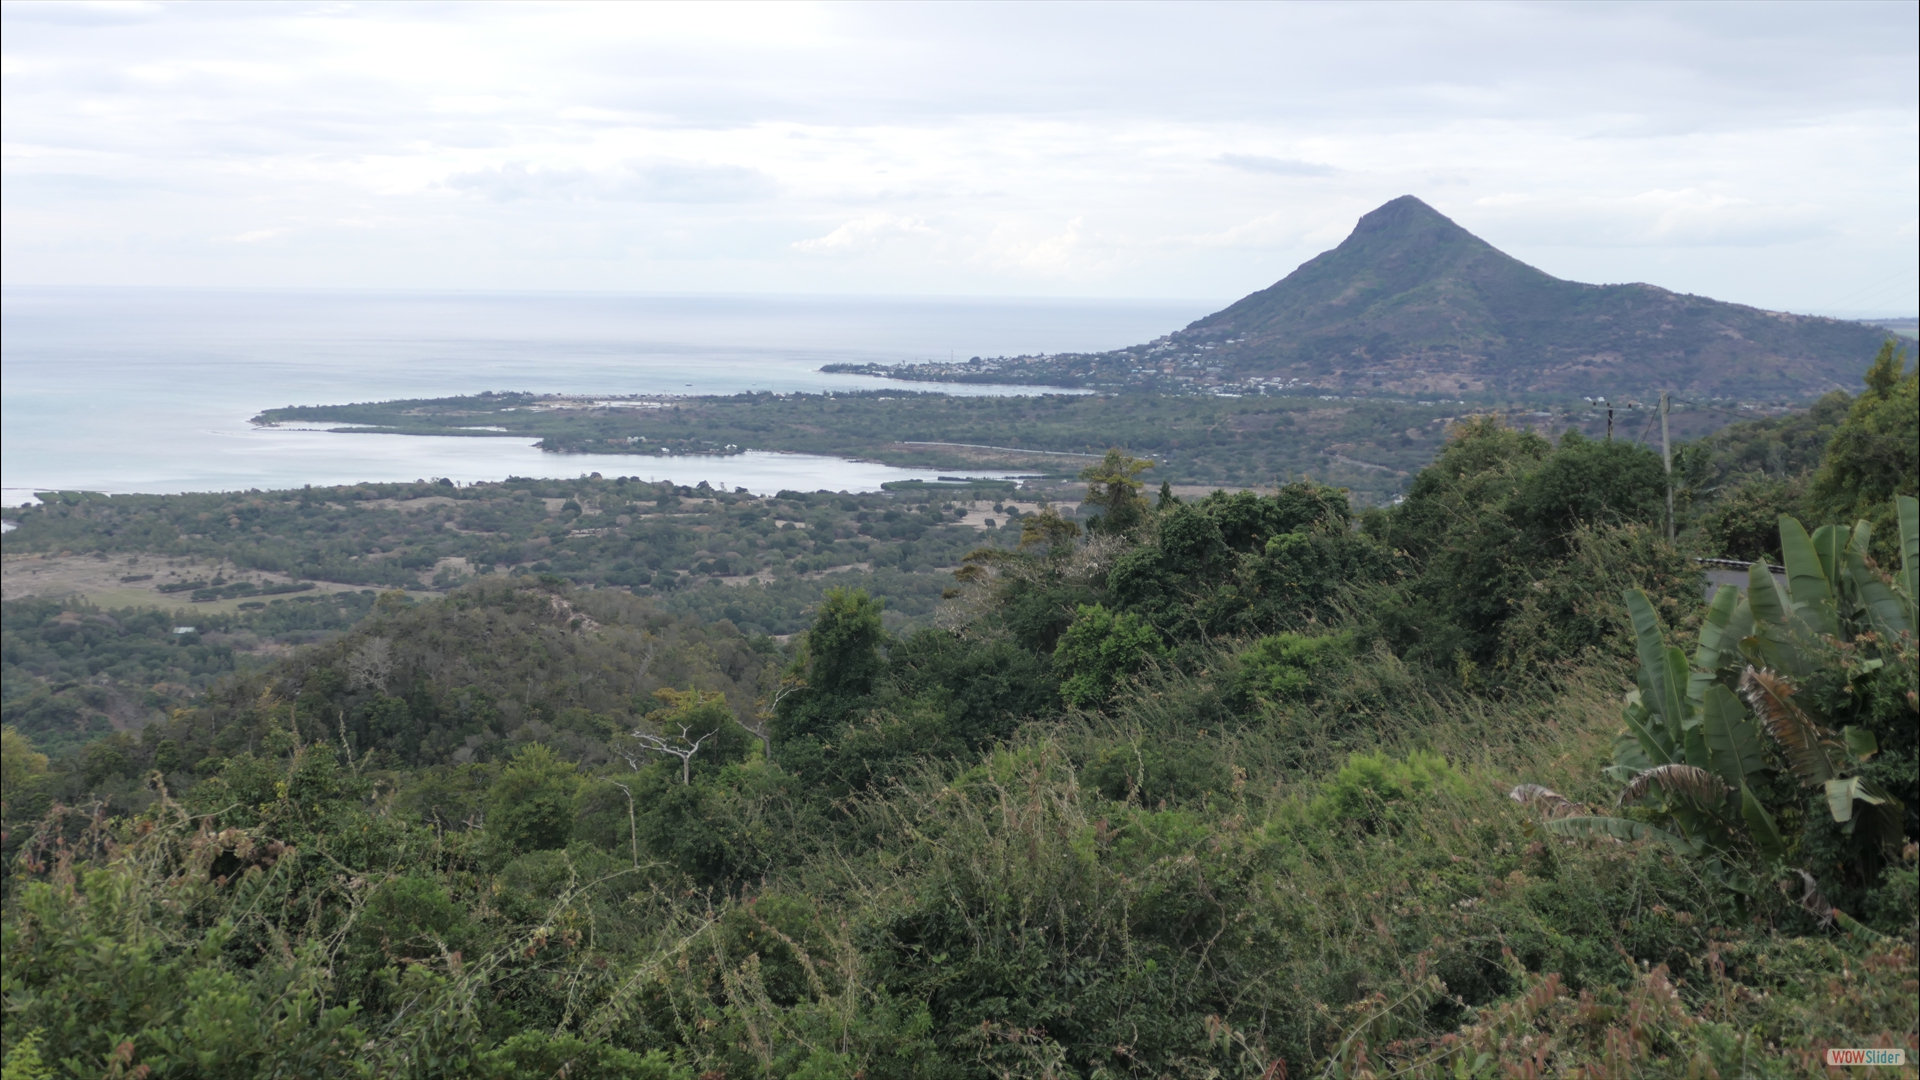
(149, 390)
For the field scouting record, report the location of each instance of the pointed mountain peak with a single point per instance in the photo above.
(1412, 302)
(1405, 216)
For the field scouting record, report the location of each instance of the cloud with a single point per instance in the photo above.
(943, 148)
(659, 182)
(866, 233)
(1686, 218)
(518, 180)
(698, 182)
(1275, 166)
(84, 12)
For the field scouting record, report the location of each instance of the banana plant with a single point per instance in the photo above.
(1832, 588)
(1692, 748)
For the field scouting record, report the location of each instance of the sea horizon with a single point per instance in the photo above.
(148, 389)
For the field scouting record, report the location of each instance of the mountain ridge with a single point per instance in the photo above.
(1411, 301)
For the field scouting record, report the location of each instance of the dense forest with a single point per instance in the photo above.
(1484, 783)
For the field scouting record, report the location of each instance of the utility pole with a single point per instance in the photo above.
(1666, 455)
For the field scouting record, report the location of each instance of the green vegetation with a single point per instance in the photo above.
(1177, 796)
(676, 543)
(1214, 787)
(1369, 446)
(70, 673)
(1844, 459)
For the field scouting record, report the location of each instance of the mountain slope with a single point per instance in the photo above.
(1411, 301)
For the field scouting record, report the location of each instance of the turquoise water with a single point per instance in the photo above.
(150, 390)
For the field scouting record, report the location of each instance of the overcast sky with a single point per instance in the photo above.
(1767, 154)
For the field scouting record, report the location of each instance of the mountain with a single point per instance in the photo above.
(1412, 302)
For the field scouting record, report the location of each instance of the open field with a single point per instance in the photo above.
(102, 580)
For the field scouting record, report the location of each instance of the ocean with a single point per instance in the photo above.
(149, 390)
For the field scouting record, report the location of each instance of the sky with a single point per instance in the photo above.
(1767, 154)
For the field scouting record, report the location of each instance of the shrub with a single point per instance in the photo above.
(1284, 666)
(1098, 650)
(1374, 789)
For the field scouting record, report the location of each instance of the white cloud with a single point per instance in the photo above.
(1276, 166)
(865, 234)
(1759, 153)
(1658, 219)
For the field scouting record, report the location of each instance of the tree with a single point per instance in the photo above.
(1586, 481)
(1100, 649)
(689, 711)
(1875, 453)
(1049, 531)
(1114, 486)
(839, 661)
(18, 760)
(530, 807)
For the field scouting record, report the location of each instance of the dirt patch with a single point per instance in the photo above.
(425, 502)
(815, 575)
(980, 510)
(103, 581)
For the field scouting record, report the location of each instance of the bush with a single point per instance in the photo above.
(1284, 667)
(1098, 650)
(1375, 790)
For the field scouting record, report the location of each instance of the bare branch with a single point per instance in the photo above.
(688, 747)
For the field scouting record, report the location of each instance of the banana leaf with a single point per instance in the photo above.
(1771, 640)
(1802, 741)
(1693, 745)
(1861, 744)
(1629, 757)
(1651, 737)
(1598, 827)
(1687, 781)
(1766, 836)
(1733, 741)
(1625, 773)
(1715, 642)
(1830, 544)
(1651, 645)
(1680, 716)
(1886, 611)
(1809, 595)
(1842, 794)
(1907, 509)
(1769, 654)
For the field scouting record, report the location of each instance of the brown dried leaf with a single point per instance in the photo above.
(1547, 802)
(1676, 779)
(1770, 696)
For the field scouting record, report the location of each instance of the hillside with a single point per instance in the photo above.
(1412, 303)
(1239, 787)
